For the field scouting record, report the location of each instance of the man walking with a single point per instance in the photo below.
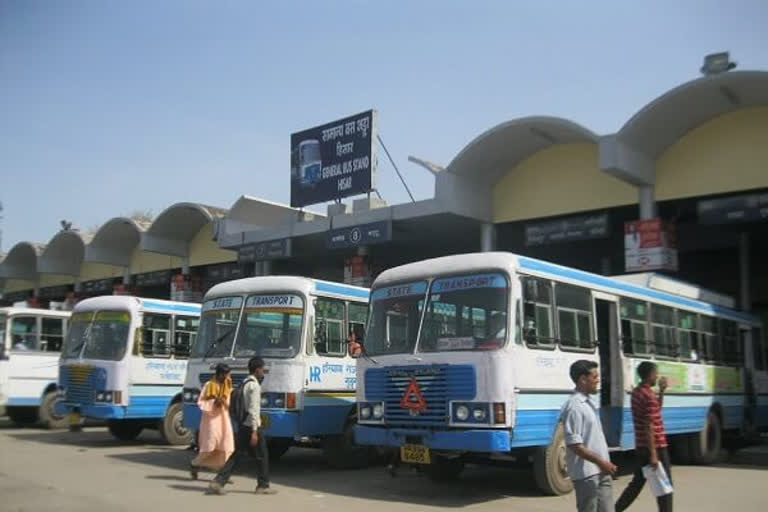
(589, 464)
(249, 439)
(650, 437)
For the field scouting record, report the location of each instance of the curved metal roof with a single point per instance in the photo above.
(64, 254)
(21, 261)
(494, 152)
(666, 119)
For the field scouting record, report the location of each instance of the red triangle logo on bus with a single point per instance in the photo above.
(413, 398)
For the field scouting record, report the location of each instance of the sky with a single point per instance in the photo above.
(110, 107)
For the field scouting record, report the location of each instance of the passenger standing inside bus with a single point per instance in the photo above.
(589, 464)
(215, 439)
(250, 437)
(650, 437)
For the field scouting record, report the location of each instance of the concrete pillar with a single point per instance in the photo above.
(487, 237)
(266, 268)
(126, 276)
(185, 266)
(745, 295)
(78, 286)
(647, 202)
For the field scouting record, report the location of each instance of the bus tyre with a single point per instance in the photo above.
(172, 427)
(341, 452)
(444, 469)
(705, 445)
(48, 416)
(22, 416)
(549, 467)
(124, 430)
(277, 446)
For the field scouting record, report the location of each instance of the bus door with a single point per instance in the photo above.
(748, 349)
(5, 365)
(611, 375)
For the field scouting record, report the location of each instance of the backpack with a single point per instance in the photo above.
(237, 410)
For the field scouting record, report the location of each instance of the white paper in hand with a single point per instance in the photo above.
(658, 480)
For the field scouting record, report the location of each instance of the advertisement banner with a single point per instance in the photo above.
(649, 244)
(569, 229)
(334, 160)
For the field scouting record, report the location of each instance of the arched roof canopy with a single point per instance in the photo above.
(666, 119)
(173, 230)
(21, 261)
(115, 241)
(64, 254)
(493, 153)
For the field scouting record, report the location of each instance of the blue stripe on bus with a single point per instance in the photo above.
(340, 289)
(185, 308)
(23, 402)
(617, 285)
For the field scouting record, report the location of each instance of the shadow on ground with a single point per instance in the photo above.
(96, 437)
(306, 469)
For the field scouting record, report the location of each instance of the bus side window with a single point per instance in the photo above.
(574, 316)
(184, 334)
(687, 335)
(357, 316)
(156, 336)
(758, 348)
(330, 338)
(730, 341)
(634, 327)
(24, 334)
(538, 324)
(53, 334)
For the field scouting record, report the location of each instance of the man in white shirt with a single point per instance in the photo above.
(249, 439)
(587, 458)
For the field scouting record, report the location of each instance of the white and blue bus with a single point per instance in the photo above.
(300, 327)
(468, 359)
(30, 342)
(124, 361)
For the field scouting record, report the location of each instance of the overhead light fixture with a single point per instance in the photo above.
(716, 63)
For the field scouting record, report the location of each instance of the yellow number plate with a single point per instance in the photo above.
(414, 454)
(265, 420)
(74, 418)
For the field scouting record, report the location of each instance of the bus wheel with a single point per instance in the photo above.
(277, 446)
(172, 427)
(124, 430)
(341, 452)
(549, 466)
(22, 416)
(705, 446)
(48, 416)
(444, 469)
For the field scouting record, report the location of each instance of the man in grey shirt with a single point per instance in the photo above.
(589, 464)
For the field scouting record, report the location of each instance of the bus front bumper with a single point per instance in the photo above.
(475, 440)
(94, 411)
(273, 423)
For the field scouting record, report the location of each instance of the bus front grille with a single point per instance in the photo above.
(80, 383)
(437, 386)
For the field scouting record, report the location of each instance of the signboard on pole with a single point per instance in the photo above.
(649, 244)
(334, 160)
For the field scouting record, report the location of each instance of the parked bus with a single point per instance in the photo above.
(30, 342)
(124, 361)
(300, 327)
(468, 359)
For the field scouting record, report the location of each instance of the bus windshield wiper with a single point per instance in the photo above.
(216, 342)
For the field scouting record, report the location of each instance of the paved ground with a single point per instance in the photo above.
(89, 471)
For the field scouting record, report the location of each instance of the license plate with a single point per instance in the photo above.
(74, 418)
(265, 420)
(414, 454)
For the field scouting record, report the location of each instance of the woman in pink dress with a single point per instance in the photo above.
(216, 439)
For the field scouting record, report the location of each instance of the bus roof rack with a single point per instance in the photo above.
(675, 286)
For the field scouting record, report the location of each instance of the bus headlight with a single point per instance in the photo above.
(264, 401)
(108, 396)
(365, 412)
(100, 396)
(479, 414)
(378, 411)
(462, 413)
(279, 401)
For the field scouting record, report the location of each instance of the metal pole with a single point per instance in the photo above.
(395, 166)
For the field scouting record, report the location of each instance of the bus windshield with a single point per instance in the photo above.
(466, 312)
(107, 337)
(271, 326)
(218, 323)
(77, 333)
(394, 320)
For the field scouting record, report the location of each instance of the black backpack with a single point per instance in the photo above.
(237, 411)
